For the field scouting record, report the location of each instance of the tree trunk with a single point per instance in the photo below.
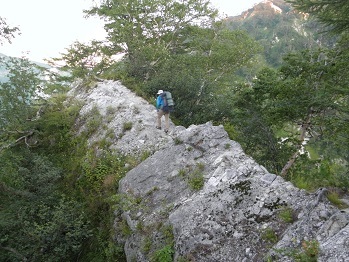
(303, 133)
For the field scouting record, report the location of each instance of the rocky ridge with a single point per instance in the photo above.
(199, 197)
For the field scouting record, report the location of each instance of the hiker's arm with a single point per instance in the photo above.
(158, 102)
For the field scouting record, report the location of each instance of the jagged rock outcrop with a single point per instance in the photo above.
(117, 107)
(201, 198)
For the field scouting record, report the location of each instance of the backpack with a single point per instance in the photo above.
(168, 103)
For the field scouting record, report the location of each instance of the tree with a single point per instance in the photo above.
(251, 124)
(332, 13)
(7, 32)
(201, 73)
(148, 31)
(18, 95)
(36, 222)
(84, 60)
(306, 92)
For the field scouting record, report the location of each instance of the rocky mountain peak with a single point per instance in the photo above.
(199, 197)
(264, 8)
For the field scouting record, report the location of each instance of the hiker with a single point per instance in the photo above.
(159, 107)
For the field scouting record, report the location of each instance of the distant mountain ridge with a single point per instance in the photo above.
(3, 71)
(265, 7)
(280, 29)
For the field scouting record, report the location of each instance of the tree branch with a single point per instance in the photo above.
(18, 140)
(14, 251)
(5, 188)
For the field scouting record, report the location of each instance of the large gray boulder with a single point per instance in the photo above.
(199, 197)
(236, 216)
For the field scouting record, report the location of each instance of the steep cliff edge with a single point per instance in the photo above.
(199, 197)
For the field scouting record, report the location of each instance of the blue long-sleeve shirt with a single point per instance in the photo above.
(159, 102)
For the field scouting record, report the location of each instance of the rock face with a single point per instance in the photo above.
(199, 197)
(118, 107)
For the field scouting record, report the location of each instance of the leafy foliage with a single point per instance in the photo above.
(19, 94)
(164, 254)
(198, 79)
(333, 14)
(293, 103)
(148, 31)
(7, 32)
(36, 222)
(84, 60)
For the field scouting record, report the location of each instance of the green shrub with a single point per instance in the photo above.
(163, 255)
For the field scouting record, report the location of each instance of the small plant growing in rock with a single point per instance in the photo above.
(163, 255)
(145, 155)
(200, 166)
(182, 173)
(146, 245)
(111, 110)
(105, 143)
(311, 248)
(166, 211)
(177, 141)
(269, 235)
(127, 126)
(110, 134)
(196, 178)
(309, 251)
(151, 191)
(140, 226)
(124, 228)
(167, 232)
(227, 146)
(110, 113)
(286, 214)
(333, 197)
(189, 149)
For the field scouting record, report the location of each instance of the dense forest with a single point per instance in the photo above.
(291, 115)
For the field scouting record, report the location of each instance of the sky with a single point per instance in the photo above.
(49, 27)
